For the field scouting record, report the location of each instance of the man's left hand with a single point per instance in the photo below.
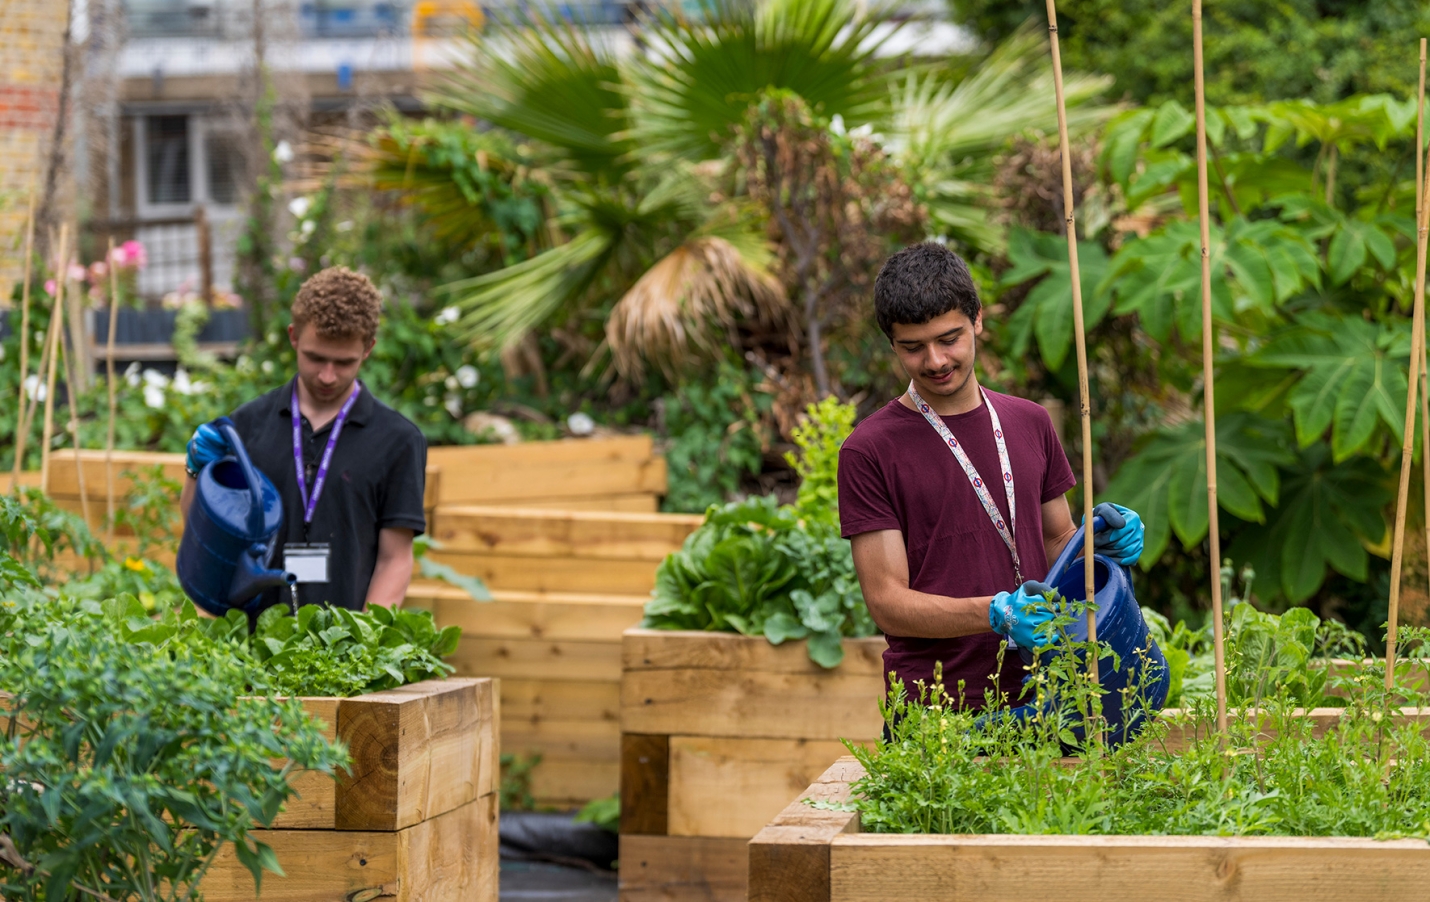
(1121, 536)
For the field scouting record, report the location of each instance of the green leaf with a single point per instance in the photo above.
(826, 649)
(1171, 122)
(472, 585)
(1049, 314)
(1347, 253)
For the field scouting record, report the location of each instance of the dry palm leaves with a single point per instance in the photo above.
(667, 314)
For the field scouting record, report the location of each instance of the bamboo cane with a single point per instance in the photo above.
(21, 421)
(1417, 352)
(1079, 338)
(70, 391)
(1424, 364)
(1208, 374)
(109, 366)
(57, 318)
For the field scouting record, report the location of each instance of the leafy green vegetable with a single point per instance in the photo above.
(819, 438)
(754, 568)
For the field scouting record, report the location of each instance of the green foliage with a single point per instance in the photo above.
(1255, 50)
(949, 770)
(516, 781)
(336, 652)
(717, 437)
(129, 770)
(752, 568)
(819, 438)
(1046, 313)
(604, 813)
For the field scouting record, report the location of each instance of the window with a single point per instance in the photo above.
(225, 164)
(166, 143)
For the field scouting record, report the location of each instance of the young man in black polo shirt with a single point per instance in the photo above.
(347, 526)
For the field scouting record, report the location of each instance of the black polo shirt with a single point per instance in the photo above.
(375, 481)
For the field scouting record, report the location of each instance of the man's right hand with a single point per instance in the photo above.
(208, 445)
(1020, 613)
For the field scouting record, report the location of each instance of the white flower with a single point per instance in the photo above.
(580, 424)
(307, 227)
(153, 396)
(34, 389)
(267, 367)
(453, 403)
(155, 378)
(451, 383)
(283, 153)
(836, 124)
(181, 383)
(299, 206)
(430, 400)
(467, 376)
(446, 316)
(131, 374)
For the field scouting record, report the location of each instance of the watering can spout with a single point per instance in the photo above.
(251, 577)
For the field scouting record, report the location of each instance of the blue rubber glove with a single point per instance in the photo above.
(1121, 538)
(208, 445)
(1018, 614)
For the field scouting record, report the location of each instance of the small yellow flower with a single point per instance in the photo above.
(135, 564)
(1376, 716)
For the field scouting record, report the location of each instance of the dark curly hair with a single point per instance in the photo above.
(340, 303)
(921, 282)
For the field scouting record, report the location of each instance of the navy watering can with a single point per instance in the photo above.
(230, 535)
(1120, 626)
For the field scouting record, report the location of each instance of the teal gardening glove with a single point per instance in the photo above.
(1020, 613)
(207, 445)
(1121, 538)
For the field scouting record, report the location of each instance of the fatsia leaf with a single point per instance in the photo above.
(1049, 313)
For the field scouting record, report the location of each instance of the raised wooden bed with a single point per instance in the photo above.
(414, 818)
(810, 855)
(718, 732)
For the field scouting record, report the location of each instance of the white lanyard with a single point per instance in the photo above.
(1009, 530)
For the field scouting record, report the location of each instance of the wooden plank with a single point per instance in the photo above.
(64, 475)
(502, 474)
(681, 868)
(417, 752)
(733, 787)
(565, 740)
(535, 701)
(645, 784)
(634, 502)
(534, 659)
(520, 614)
(450, 858)
(789, 858)
(1097, 868)
(689, 649)
(571, 784)
(555, 533)
(591, 576)
(315, 806)
(832, 704)
(29, 478)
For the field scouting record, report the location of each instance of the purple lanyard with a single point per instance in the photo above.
(310, 503)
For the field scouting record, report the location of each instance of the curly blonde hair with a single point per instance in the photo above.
(340, 303)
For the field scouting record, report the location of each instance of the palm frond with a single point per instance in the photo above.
(499, 308)
(669, 311)
(695, 87)
(547, 80)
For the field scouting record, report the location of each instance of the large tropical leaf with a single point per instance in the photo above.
(1255, 265)
(1328, 514)
(549, 81)
(1047, 313)
(689, 93)
(1352, 378)
(1166, 481)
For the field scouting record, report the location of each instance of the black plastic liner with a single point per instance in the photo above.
(558, 838)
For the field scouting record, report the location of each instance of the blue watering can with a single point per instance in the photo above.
(230, 535)
(1120, 626)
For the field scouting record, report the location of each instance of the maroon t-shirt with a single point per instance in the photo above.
(895, 472)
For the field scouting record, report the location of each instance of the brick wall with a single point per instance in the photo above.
(31, 64)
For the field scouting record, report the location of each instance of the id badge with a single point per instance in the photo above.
(309, 563)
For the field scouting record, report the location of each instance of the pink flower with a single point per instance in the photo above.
(129, 254)
(50, 287)
(75, 272)
(97, 271)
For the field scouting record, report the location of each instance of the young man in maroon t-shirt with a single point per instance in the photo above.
(946, 563)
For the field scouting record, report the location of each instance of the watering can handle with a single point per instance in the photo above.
(255, 509)
(1070, 550)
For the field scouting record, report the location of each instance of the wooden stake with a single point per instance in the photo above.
(1424, 365)
(1208, 374)
(21, 421)
(109, 364)
(1417, 353)
(1079, 338)
(57, 318)
(71, 389)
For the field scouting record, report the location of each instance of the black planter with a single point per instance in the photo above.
(157, 326)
